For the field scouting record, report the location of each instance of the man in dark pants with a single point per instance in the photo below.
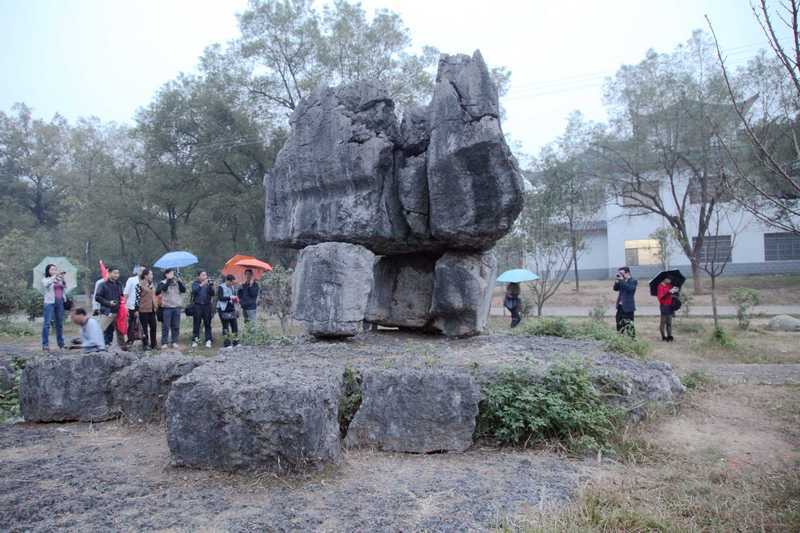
(108, 296)
(203, 308)
(626, 301)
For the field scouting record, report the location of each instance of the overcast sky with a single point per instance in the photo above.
(107, 57)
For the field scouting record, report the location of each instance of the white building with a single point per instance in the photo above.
(622, 236)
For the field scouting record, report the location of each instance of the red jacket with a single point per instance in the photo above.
(664, 296)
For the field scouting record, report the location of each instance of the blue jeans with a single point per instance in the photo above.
(53, 312)
(172, 323)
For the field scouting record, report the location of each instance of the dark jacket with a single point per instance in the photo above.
(627, 291)
(248, 295)
(202, 295)
(109, 291)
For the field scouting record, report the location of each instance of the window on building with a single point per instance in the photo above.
(781, 247)
(715, 249)
(642, 252)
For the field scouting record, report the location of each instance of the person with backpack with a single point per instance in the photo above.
(54, 297)
(666, 306)
(226, 306)
(171, 290)
(202, 306)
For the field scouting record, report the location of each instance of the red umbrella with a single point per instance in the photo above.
(255, 264)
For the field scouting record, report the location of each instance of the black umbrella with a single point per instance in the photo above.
(675, 276)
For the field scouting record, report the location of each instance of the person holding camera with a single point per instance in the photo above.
(227, 299)
(54, 291)
(625, 285)
(171, 290)
(665, 295)
(202, 308)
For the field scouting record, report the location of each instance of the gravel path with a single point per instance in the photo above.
(112, 477)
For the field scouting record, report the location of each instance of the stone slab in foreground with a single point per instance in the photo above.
(420, 411)
(246, 412)
(98, 386)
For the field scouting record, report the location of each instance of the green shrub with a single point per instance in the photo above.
(744, 299)
(552, 327)
(13, 329)
(564, 405)
(34, 304)
(598, 311)
(254, 333)
(696, 380)
(687, 299)
(9, 400)
(349, 400)
(593, 330)
(722, 338)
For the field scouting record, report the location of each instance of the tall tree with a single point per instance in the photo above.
(662, 153)
(767, 175)
(32, 154)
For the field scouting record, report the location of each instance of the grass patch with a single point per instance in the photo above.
(350, 399)
(9, 399)
(564, 406)
(688, 497)
(591, 329)
(688, 327)
(696, 380)
(15, 330)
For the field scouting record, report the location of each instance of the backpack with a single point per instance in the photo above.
(676, 302)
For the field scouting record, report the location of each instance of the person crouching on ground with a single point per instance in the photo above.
(202, 308)
(248, 297)
(226, 305)
(91, 333)
(626, 301)
(108, 296)
(171, 288)
(664, 295)
(512, 303)
(54, 290)
(146, 307)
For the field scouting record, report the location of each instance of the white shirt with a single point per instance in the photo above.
(130, 292)
(95, 303)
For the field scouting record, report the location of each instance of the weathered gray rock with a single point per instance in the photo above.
(331, 287)
(784, 323)
(462, 292)
(70, 387)
(402, 291)
(475, 186)
(248, 412)
(412, 410)
(442, 179)
(139, 391)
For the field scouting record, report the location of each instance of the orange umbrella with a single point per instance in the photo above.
(255, 264)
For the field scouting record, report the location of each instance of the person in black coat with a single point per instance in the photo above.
(248, 296)
(109, 295)
(625, 285)
(202, 308)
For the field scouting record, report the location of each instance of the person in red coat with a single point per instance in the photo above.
(664, 295)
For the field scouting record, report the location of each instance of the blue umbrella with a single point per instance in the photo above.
(175, 260)
(517, 275)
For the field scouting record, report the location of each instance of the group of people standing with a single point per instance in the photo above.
(147, 304)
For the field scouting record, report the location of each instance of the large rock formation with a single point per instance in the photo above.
(462, 292)
(443, 179)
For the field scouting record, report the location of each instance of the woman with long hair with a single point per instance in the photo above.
(54, 293)
(147, 306)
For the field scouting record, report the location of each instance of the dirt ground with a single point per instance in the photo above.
(726, 459)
